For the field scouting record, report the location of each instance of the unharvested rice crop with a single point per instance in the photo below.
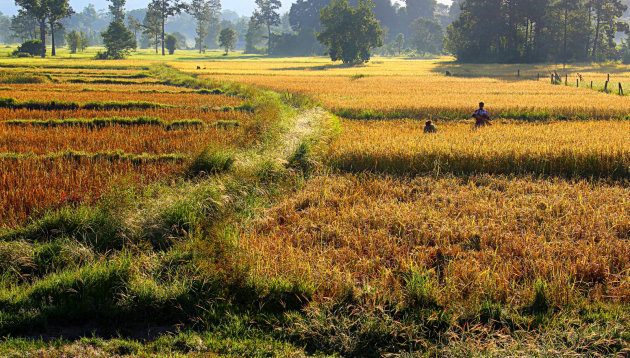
(136, 139)
(419, 88)
(61, 144)
(30, 186)
(571, 149)
(475, 239)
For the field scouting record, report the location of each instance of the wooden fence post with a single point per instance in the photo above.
(566, 79)
(606, 86)
(591, 84)
(518, 73)
(577, 82)
(608, 80)
(620, 89)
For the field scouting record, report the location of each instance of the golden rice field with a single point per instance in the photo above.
(419, 88)
(48, 164)
(478, 238)
(571, 149)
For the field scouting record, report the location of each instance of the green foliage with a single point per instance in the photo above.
(118, 40)
(266, 15)
(420, 291)
(488, 31)
(73, 39)
(427, 36)
(212, 160)
(171, 43)
(227, 38)
(349, 33)
(32, 47)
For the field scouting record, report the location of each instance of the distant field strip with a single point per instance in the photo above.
(571, 149)
(419, 89)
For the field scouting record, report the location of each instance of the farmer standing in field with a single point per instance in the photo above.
(481, 117)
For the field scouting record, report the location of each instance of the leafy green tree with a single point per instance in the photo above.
(252, 37)
(5, 31)
(118, 40)
(73, 39)
(152, 25)
(117, 8)
(166, 8)
(134, 25)
(427, 36)
(38, 10)
(204, 12)
(85, 41)
(57, 10)
(349, 33)
(227, 38)
(171, 43)
(267, 15)
(398, 43)
(23, 27)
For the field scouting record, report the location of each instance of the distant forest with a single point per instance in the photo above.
(471, 30)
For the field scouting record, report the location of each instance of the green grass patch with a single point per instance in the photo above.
(7, 102)
(107, 122)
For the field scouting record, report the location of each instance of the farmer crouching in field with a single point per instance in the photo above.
(429, 127)
(481, 117)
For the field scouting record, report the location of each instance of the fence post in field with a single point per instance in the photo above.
(518, 73)
(566, 79)
(552, 79)
(606, 86)
(591, 84)
(620, 89)
(608, 80)
(577, 82)
(538, 77)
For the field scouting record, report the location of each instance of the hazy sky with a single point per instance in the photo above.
(243, 7)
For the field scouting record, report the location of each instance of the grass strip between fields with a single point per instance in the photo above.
(107, 122)
(109, 156)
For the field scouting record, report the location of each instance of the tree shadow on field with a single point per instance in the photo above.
(320, 67)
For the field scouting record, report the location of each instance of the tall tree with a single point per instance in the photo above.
(349, 33)
(267, 14)
(118, 41)
(117, 8)
(152, 25)
(166, 8)
(37, 9)
(57, 10)
(606, 12)
(134, 25)
(204, 11)
(23, 26)
(227, 38)
(427, 36)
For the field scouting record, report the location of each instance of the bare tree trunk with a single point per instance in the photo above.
(268, 38)
(594, 53)
(42, 34)
(157, 42)
(52, 37)
(566, 15)
(163, 20)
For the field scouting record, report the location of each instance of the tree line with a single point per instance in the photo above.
(537, 30)
(471, 30)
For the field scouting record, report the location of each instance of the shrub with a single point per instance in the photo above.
(31, 47)
(171, 43)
